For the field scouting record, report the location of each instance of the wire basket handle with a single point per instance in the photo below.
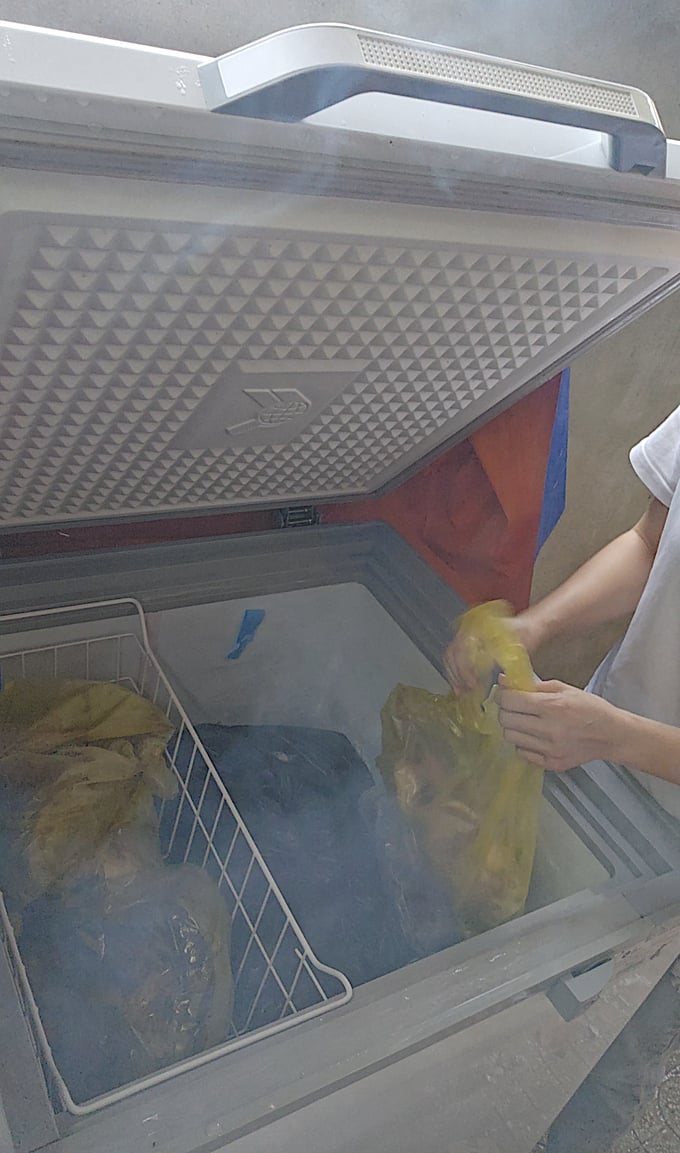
(85, 606)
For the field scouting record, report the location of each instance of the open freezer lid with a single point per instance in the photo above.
(202, 311)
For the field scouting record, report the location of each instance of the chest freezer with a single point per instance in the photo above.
(348, 611)
(283, 277)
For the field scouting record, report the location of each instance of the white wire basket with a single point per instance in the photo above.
(278, 981)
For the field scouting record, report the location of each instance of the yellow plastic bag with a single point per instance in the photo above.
(134, 951)
(87, 758)
(471, 799)
(42, 716)
(73, 818)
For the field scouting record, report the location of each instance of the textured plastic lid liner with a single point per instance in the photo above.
(170, 349)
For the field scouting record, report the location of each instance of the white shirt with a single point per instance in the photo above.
(642, 674)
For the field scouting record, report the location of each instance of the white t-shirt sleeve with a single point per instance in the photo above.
(656, 459)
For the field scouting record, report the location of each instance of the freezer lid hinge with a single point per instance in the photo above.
(298, 516)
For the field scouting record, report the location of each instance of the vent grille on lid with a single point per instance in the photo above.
(498, 75)
(120, 340)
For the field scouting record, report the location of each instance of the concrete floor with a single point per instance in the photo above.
(657, 1129)
(622, 388)
(657, 1126)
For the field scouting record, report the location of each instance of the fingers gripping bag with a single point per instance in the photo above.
(470, 798)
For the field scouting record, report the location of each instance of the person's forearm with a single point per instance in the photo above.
(607, 588)
(648, 746)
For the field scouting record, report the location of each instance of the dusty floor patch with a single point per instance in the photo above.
(657, 1126)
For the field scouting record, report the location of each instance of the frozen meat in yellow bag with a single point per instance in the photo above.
(471, 799)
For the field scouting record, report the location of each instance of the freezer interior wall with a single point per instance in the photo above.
(328, 658)
(323, 657)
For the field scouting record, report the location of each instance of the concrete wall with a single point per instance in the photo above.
(622, 388)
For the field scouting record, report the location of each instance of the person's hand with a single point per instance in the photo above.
(558, 726)
(459, 662)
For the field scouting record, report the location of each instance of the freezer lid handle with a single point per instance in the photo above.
(295, 73)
